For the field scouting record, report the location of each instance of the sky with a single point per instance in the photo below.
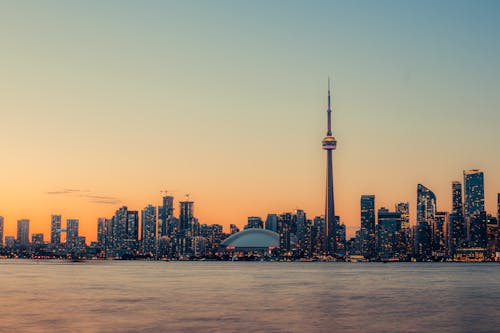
(104, 104)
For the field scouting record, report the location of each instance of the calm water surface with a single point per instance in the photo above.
(120, 296)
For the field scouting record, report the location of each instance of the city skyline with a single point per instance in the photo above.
(167, 96)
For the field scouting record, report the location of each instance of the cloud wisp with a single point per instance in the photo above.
(85, 194)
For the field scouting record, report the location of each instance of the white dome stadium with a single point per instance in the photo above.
(253, 238)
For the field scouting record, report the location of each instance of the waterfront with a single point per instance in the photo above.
(139, 296)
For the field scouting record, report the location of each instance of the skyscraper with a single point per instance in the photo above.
(272, 222)
(329, 144)
(404, 209)
(388, 228)
(165, 214)
(474, 208)
(148, 218)
(1, 230)
(457, 230)
(71, 233)
(426, 212)
(186, 214)
(23, 231)
(55, 229)
(367, 231)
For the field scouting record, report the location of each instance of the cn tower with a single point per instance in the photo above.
(329, 144)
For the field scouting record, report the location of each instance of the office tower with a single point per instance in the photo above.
(367, 231)
(426, 212)
(101, 231)
(340, 237)
(119, 230)
(71, 233)
(493, 237)
(23, 231)
(133, 225)
(148, 217)
(272, 222)
(457, 230)
(404, 209)
(186, 214)
(284, 226)
(388, 228)
(1, 230)
(37, 239)
(233, 228)
(55, 229)
(254, 222)
(318, 236)
(329, 144)
(439, 231)
(303, 233)
(165, 214)
(474, 208)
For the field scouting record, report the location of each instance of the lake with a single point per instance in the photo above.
(141, 296)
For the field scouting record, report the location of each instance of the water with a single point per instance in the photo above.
(124, 296)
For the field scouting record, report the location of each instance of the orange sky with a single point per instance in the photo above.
(228, 103)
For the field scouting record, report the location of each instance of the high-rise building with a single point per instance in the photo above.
(148, 217)
(329, 144)
(23, 231)
(71, 232)
(474, 213)
(254, 222)
(388, 229)
(367, 231)
(318, 235)
(133, 225)
(186, 214)
(272, 222)
(457, 229)
(1, 230)
(284, 226)
(404, 209)
(426, 212)
(439, 232)
(165, 214)
(55, 229)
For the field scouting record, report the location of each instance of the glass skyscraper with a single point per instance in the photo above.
(474, 214)
(368, 226)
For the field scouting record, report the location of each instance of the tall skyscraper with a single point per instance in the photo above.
(272, 222)
(165, 214)
(426, 212)
(367, 231)
(404, 209)
(186, 214)
(329, 144)
(1, 230)
(55, 229)
(388, 228)
(23, 231)
(457, 229)
(439, 231)
(71, 232)
(148, 218)
(474, 208)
